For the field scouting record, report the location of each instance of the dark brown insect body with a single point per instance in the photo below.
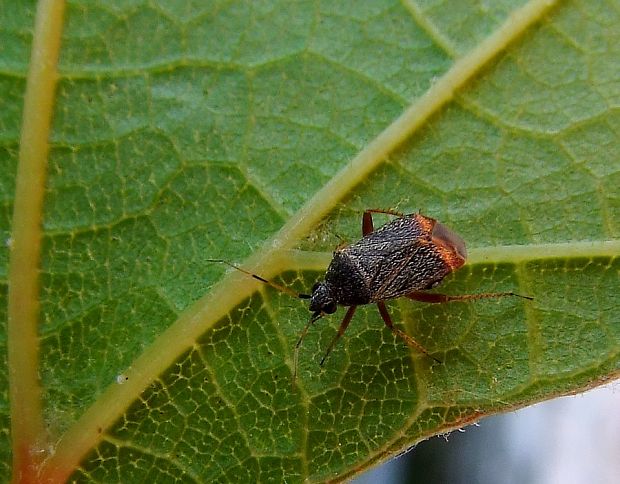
(405, 257)
(408, 254)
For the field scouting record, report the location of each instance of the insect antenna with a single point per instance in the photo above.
(315, 316)
(275, 285)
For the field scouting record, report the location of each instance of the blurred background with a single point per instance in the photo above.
(567, 440)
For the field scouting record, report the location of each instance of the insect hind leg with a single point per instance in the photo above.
(408, 339)
(436, 298)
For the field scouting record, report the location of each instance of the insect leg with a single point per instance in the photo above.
(367, 225)
(341, 329)
(433, 298)
(408, 339)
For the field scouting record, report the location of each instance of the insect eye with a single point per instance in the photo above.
(330, 307)
(316, 286)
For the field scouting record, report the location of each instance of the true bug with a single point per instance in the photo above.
(405, 257)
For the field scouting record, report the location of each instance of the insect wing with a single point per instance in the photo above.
(398, 258)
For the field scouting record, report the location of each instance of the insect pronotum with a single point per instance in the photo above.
(405, 257)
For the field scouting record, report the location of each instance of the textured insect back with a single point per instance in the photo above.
(347, 283)
(410, 253)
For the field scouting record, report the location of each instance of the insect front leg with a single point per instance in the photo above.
(368, 226)
(408, 339)
(341, 329)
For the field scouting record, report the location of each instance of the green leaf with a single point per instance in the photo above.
(258, 132)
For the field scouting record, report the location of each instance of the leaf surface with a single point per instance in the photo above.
(258, 132)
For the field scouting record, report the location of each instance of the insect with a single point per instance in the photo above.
(405, 257)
